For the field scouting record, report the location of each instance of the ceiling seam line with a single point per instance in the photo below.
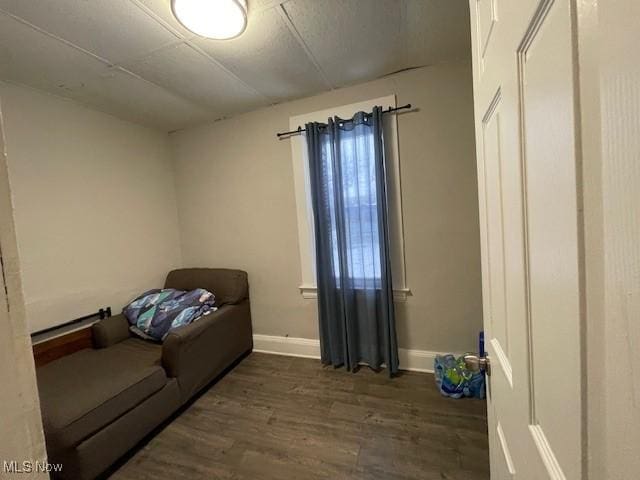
(163, 23)
(189, 41)
(150, 53)
(170, 91)
(296, 34)
(57, 38)
(107, 63)
(226, 70)
(265, 7)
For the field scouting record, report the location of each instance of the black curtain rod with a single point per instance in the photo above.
(300, 129)
(102, 314)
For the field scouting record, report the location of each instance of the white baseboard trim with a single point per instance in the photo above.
(289, 346)
(411, 360)
(416, 360)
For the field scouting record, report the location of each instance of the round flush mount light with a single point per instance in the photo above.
(216, 19)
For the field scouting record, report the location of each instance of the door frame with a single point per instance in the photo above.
(23, 440)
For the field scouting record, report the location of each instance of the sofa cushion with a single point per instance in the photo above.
(229, 286)
(83, 392)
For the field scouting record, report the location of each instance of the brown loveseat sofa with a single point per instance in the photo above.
(98, 403)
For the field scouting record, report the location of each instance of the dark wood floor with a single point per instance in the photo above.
(276, 417)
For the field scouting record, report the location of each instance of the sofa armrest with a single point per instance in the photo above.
(110, 331)
(196, 353)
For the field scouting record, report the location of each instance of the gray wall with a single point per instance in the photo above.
(95, 208)
(236, 206)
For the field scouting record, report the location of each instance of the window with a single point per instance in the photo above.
(360, 209)
(357, 200)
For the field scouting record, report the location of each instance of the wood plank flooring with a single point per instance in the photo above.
(276, 417)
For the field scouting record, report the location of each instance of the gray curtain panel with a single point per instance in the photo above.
(349, 195)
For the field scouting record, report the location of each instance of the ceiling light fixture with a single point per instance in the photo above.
(217, 19)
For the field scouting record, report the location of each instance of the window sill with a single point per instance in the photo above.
(311, 292)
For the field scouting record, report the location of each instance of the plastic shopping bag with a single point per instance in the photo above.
(455, 380)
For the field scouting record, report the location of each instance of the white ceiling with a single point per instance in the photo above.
(132, 59)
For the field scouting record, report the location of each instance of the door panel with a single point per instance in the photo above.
(492, 159)
(508, 470)
(525, 106)
(546, 84)
(487, 18)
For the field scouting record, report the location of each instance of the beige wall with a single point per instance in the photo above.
(94, 201)
(237, 207)
(21, 426)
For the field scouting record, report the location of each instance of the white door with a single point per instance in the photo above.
(525, 114)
